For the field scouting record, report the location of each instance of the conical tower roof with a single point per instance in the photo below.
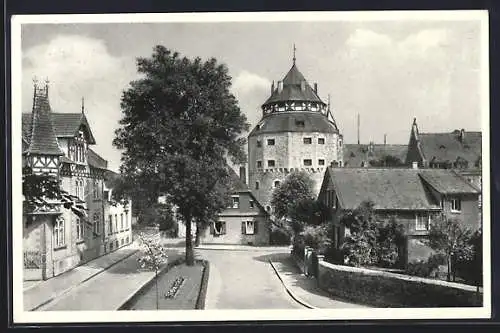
(294, 88)
(43, 139)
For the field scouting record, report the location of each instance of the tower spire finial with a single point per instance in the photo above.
(83, 104)
(294, 49)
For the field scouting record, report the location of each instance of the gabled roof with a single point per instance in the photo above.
(65, 125)
(295, 122)
(447, 181)
(355, 154)
(40, 136)
(291, 89)
(96, 160)
(388, 189)
(448, 147)
(236, 184)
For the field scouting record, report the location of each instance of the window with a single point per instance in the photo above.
(121, 222)
(115, 227)
(456, 205)
(97, 225)
(256, 185)
(96, 189)
(59, 232)
(219, 228)
(276, 183)
(423, 221)
(441, 203)
(259, 143)
(299, 123)
(270, 163)
(80, 189)
(80, 229)
(321, 141)
(110, 224)
(307, 141)
(252, 204)
(331, 199)
(259, 164)
(321, 162)
(270, 142)
(248, 227)
(307, 162)
(236, 202)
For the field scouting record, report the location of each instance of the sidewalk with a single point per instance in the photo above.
(110, 289)
(43, 292)
(304, 289)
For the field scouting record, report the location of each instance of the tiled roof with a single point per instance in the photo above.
(237, 185)
(291, 90)
(95, 160)
(388, 189)
(65, 125)
(41, 136)
(355, 154)
(447, 181)
(447, 147)
(295, 122)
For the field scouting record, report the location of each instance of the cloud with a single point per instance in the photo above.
(251, 90)
(77, 67)
(367, 38)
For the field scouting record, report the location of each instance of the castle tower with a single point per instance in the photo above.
(297, 132)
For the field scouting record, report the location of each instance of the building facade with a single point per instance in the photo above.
(243, 222)
(57, 238)
(415, 198)
(296, 132)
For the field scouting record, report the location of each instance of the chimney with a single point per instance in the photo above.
(414, 165)
(385, 139)
(462, 135)
(315, 88)
(280, 86)
(243, 174)
(302, 85)
(370, 147)
(358, 128)
(272, 87)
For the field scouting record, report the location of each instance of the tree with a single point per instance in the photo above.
(452, 238)
(153, 257)
(390, 238)
(360, 246)
(179, 124)
(291, 197)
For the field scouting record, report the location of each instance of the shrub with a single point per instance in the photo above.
(317, 238)
(427, 268)
(279, 236)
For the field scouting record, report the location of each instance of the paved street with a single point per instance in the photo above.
(245, 280)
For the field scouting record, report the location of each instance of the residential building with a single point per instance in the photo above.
(459, 150)
(56, 238)
(296, 132)
(374, 155)
(118, 217)
(415, 198)
(244, 221)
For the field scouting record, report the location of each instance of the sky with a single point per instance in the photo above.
(388, 72)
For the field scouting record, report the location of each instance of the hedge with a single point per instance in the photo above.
(200, 302)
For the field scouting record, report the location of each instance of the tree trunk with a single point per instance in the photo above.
(198, 235)
(156, 285)
(189, 244)
(448, 277)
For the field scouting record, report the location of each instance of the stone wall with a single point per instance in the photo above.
(384, 289)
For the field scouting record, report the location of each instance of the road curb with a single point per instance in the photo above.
(289, 291)
(67, 290)
(257, 249)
